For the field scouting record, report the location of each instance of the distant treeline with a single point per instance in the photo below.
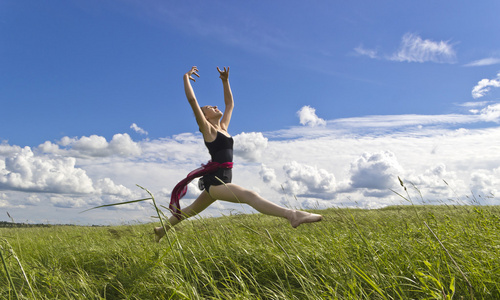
(4, 224)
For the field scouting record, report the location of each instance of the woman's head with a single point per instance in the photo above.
(211, 112)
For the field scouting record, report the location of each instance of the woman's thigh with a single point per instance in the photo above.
(229, 192)
(203, 201)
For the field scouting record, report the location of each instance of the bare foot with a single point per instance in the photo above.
(159, 233)
(298, 217)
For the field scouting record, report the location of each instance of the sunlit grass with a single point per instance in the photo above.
(353, 254)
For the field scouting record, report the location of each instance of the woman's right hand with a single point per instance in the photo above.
(190, 73)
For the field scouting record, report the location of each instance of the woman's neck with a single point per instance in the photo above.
(215, 124)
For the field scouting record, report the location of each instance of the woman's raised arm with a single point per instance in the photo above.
(188, 89)
(228, 98)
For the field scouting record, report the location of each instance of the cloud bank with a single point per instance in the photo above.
(93, 146)
(26, 172)
(343, 162)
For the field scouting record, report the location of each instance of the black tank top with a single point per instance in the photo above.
(221, 149)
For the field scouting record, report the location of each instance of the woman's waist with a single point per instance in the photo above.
(220, 172)
(223, 156)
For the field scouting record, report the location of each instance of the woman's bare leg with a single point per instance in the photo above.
(203, 201)
(236, 194)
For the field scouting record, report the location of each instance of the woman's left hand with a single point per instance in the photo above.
(224, 75)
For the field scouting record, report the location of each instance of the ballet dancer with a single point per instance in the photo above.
(217, 174)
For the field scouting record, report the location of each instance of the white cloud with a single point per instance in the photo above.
(484, 86)
(491, 113)
(32, 173)
(6, 149)
(307, 116)
(375, 171)
(433, 179)
(27, 172)
(106, 186)
(64, 201)
(49, 147)
(33, 199)
(122, 144)
(66, 141)
(484, 62)
(28, 201)
(268, 176)
(485, 182)
(474, 104)
(93, 146)
(138, 129)
(309, 180)
(415, 49)
(250, 146)
(394, 121)
(378, 124)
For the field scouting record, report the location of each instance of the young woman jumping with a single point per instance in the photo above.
(217, 174)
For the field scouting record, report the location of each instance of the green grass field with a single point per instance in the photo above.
(402, 252)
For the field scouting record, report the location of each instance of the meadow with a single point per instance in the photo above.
(398, 252)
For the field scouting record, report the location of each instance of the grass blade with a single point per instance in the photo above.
(8, 273)
(115, 204)
(471, 289)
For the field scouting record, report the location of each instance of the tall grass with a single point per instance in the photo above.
(388, 253)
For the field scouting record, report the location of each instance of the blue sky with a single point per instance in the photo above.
(76, 75)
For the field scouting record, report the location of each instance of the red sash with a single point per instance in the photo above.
(181, 188)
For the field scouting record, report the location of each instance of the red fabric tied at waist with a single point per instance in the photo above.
(181, 188)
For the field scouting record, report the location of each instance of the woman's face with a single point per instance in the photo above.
(211, 112)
